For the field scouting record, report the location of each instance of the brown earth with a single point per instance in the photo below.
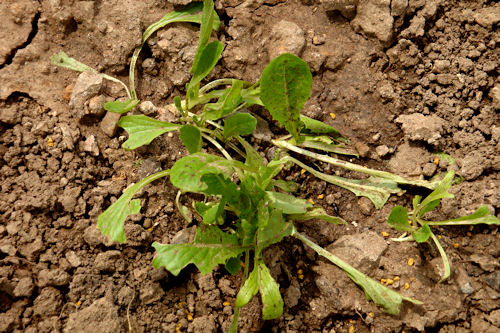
(406, 79)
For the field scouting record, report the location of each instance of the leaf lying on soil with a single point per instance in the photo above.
(142, 130)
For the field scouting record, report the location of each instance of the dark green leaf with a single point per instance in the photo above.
(239, 124)
(287, 186)
(210, 248)
(208, 60)
(285, 87)
(217, 184)
(233, 265)
(212, 213)
(111, 221)
(120, 107)
(398, 219)
(422, 234)
(142, 130)
(273, 231)
(191, 138)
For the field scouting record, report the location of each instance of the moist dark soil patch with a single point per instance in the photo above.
(404, 80)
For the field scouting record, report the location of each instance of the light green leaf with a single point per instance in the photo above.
(61, 59)
(439, 193)
(239, 124)
(249, 290)
(111, 221)
(330, 147)
(187, 172)
(285, 87)
(210, 248)
(481, 216)
(316, 213)
(398, 219)
(120, 107)
(142, 130)
(209, 21)
(287, 186)
(191, 138)
(313, 126)
(446, 157)
(270, 294)
(422, 234)
(273, 231)
(209, 212)
(209, 58)
(379, 294)
(287, 203)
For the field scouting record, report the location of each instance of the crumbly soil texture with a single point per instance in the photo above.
(404, 80)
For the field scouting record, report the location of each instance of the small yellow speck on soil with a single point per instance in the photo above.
(471, 228)
(190, 317)
(321, 196)
(469, 234)
(385, 234)
(389, 282)
(439, 236)
(455, 245)
(150, 229)
(396, 278)
(411, 261)
(436, 160)
(351, 329)
(50, 142)
(301, 277)
(303, 171)
(333, 115)
(300, 271)
(78, 303)
(370, 314)
(226, 303)
(383, 281)
(311, 201)
(407, 285)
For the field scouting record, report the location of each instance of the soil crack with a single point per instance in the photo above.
(31, 36)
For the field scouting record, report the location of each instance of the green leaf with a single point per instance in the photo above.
(316, 213)
(111, 221)
(249, 290)
(398, 219)
(209, 21)
(187, 172)
(433, 199)
(61, 59)
(211, 212)
(210, 248)
(287, 186)
(318, 142)
(239, 124)
(288, 203)
(191, 138)
(379, 294)
(233, 265)
(313, 126)
(273, 231)
(446, 157)
(217, 184)
(142, 130)
(422, 234)
(481, 216)
(285, 87)
(209, 58)
(225, 104)
(270, 294)
(120, 107)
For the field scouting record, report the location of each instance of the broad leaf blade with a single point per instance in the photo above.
(249, 290)
(209, 58)
(120, 106)
(317, 213)
(398, 219)
(287, 203)
(422, 234)
(191, 138)
(210, 248)
(314, 126)
(226, 103)
(481, 216)
(111, 221)
(142, 130)
(439, 193)
(217, 184)
(270, 294)
(239, 124)
(273, 231)
(285, 87)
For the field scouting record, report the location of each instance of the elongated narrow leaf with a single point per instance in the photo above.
(142, 130)
(288, 203)
(285, 87)
(209, 57)
(314, 126)
(111, 221)
(187, 172)
(317, 142)
(61, 59)
(316, 213)
(120, 107)
(481, 216)
(385, 297)
(191, 138)
(239, 124)
(249, 290)
(210, 248)
(209, 19)
(398, 219)
(270, 294)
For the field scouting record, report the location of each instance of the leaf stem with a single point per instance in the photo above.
(444, 257)
(218, 146)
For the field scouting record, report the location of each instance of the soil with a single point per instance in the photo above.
(405, 79)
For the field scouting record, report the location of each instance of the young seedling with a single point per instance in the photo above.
(419, 230)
